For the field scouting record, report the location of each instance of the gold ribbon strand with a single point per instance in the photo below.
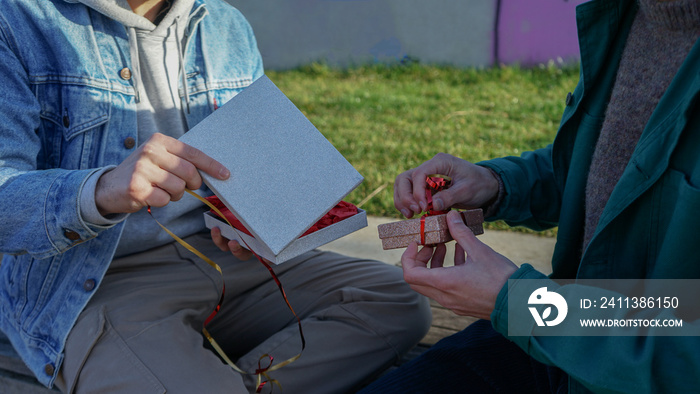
(260, 372)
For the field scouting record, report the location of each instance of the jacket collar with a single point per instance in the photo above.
(599, 25)
(602, 29)
(602, 24)
(652, 155)
(199, 11)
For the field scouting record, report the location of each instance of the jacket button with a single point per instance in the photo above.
(89, 285)
(72, 235)
(125, 73)
(66, 121)
(49, 369)
(129, 142)
(569, 99)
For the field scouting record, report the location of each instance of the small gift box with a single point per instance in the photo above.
(427, 230)
(285, 175)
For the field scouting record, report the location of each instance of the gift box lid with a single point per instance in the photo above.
(285, 175)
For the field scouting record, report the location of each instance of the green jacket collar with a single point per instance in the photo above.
(603, 27)
(651, 157)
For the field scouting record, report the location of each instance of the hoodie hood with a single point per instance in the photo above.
(120, 11)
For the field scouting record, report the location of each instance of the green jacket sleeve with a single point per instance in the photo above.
(602, 364)
(532, 197)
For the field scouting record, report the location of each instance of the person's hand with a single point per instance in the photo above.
(227, 245)
(471, 286)
(232, 246)
(472, 186)
(155, 174)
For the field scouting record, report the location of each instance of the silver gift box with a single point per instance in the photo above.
(285, 175)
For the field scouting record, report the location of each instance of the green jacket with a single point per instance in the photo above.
(647, 230)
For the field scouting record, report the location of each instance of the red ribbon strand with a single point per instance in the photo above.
(434, 185)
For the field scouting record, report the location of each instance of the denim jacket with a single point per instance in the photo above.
(68, 109)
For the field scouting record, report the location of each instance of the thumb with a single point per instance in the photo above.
(445, 199)
(461, 233)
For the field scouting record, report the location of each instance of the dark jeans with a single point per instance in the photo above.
(475, 360)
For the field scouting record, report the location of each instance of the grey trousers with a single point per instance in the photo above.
(141, 332)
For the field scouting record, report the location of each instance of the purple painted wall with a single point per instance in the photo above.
(530, 32)
(461, 33)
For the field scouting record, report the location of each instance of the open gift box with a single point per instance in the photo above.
(434, 230)
(301, 245)
(285, 175)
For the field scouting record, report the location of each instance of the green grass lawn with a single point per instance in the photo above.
(387, 119)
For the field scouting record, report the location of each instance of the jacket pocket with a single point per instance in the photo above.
(677, 215)
(209, 97)
(71, 115)
(13, 274)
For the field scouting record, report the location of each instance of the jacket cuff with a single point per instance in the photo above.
(518, 288)
(88, 208)
(508, 195)
(64, 225)
(491, 208)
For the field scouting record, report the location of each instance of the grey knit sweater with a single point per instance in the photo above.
(661, 36)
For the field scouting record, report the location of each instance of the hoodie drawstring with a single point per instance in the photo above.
(135, 62)
(182, 63)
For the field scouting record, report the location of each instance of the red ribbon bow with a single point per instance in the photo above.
(435, 184)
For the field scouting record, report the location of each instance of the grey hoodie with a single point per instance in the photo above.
(156, 53)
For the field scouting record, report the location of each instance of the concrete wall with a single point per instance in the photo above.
(462, 33)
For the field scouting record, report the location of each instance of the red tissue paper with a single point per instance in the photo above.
(342, 210)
